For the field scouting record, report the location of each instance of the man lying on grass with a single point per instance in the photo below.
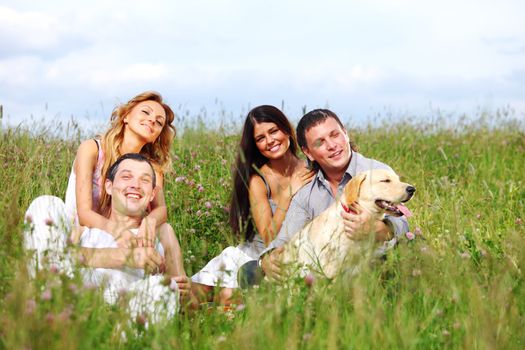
(131, 185)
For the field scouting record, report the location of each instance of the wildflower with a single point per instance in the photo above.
(224, 161)
(66, 313)
(190, 183)
(46, 295)
(221, 338)
(424, 249)
(192, 257)
(417, 231)
(518, 221)
(410, 236)
(199, 212)
(89, 286)
(465, 255)
(54, 269)
(49, 222)
(176, 157)
(73, 288)
(30, 306)
(122, 293)
(141, 319)
(240, 307)
(445, 333)
(192, 231)
(208, 205)
(180, 178)
(197, 167)
(456, 325)
(478, 216)
(439, 313)
(416, 272)
(309, 279)
(200, 188)
(50, 318)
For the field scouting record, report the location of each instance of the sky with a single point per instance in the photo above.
(218, 59)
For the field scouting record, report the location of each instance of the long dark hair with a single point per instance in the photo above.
(249, 160)
(314, 118)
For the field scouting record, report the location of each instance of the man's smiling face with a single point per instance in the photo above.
(328, 145)
(132, 189)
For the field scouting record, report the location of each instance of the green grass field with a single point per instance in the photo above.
(462, 286)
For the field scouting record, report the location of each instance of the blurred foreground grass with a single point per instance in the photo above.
(460, 287)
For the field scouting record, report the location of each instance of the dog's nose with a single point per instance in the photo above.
(410, 190)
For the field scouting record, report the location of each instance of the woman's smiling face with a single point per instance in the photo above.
(271, 141)
(146, 120)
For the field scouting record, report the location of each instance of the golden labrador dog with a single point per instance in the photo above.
(323, 247)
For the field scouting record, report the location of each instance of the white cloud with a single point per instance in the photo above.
(242, 52)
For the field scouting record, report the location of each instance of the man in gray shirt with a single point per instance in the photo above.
(325, 142)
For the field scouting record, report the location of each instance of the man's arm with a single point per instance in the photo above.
(114, 258)
(397, 225)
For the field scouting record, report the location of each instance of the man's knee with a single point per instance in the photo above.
(250, 274)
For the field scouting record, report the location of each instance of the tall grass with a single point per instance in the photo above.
(458, 284)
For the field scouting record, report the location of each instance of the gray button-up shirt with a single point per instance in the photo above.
(316, 196)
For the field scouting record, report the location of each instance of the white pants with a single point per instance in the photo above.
(46, 234)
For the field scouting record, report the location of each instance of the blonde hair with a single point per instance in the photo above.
(157, 152)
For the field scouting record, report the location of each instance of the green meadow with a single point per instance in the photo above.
(458, 285)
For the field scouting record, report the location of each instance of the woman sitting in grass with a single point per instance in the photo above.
(267, 174)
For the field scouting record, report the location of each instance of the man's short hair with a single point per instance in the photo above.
(112, 171)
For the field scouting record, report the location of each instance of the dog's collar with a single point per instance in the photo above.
(347, 209)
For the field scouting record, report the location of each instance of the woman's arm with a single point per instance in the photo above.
(159, 211)
(267, 224)
(85, 163)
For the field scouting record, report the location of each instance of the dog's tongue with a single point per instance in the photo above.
(406, 212)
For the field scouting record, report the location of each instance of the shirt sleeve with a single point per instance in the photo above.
(399, 227)
(296, 218)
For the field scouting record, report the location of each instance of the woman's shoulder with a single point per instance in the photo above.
(88, 151)
(301, 165)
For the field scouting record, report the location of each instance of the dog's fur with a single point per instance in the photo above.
(323, 247)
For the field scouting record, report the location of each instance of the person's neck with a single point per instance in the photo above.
(130, 144)
(334, 176)
(284, 166)
(124, 221)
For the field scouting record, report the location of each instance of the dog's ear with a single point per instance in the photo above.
(352, 188)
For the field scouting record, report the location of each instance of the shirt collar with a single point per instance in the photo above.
(350, 170)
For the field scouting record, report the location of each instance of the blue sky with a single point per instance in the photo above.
(360, 58)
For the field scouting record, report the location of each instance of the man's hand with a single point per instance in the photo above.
(125, 239)
(146, 233)
(184, 285)
(358, 223)
(148, 259)
(272, 265)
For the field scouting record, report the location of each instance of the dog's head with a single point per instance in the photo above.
(378, 191)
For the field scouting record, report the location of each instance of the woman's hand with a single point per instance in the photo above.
(299, 179)
(147, 232)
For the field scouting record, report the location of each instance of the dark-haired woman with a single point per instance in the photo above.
(267, 174)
